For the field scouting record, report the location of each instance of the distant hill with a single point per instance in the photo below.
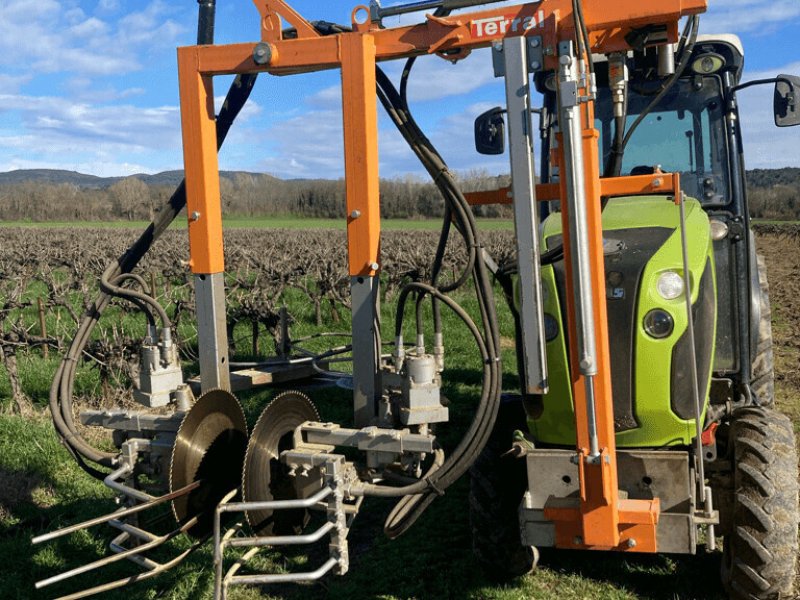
(56, 176)
(51, 195)
(759, 178)
(769, 177)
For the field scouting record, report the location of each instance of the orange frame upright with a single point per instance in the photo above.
(599, 520)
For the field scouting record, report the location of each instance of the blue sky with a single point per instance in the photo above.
(91, 86)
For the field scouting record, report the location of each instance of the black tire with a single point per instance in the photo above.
(497, 484)
(760, 552)
(762, 381)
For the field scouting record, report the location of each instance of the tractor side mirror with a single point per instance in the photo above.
(787, 101)
(490, 132)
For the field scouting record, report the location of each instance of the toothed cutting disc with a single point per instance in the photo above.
(210, 446)
(266, 478)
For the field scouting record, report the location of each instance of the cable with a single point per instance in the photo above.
(694, 24)
(459, 214)
(62, 388)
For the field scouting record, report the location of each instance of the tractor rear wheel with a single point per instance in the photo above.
(497, 483)
(763, 369)
(760, 553)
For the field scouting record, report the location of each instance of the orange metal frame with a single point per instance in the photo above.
(599, 519)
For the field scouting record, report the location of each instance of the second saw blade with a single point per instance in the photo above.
(210, 447)
(265, 477)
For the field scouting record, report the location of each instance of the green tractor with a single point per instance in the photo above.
(661, 352)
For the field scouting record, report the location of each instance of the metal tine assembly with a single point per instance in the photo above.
(120, 552)
(329, 498)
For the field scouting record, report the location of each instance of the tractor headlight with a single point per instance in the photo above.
(670, 285)
(550, 327)
(658, 324)
(719, 230)
(708, 64)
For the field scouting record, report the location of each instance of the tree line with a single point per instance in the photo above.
(773, 194)
(243, 195)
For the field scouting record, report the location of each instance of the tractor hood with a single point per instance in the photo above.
(653, 403)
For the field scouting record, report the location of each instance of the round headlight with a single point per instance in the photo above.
(670, 285)
(550, 327)
(658, 324)
(719, 230)
(708, 64)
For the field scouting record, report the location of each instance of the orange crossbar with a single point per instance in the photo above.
(608, 24)
(612, 187)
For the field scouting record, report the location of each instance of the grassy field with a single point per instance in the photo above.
(271, 223)
(41, 488)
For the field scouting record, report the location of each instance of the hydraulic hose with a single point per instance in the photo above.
(418, 496)
(693, 26)
(61, 390)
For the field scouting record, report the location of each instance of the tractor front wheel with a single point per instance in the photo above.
(760, 550)
(498, 481)
(763, 368)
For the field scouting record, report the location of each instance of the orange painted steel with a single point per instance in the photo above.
(612, 187)
(638, 520)
(608, 24)
(360, 110)
(597, 522)
(203, 205)
(600, 519)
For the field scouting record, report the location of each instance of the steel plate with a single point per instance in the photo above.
(265, 478)
(210, 446)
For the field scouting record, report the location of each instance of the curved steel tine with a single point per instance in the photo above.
(136, 578)
(159, 541)
(117, 514)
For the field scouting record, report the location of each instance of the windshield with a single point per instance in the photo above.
(684, 134)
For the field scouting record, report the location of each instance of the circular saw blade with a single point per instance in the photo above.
(210, 446)
(266, 478)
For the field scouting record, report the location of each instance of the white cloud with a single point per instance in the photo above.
(751, 16)
(433, 78)
(104, 138)
(46, 36)
(767, 146)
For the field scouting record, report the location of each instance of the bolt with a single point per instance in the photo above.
(195, 216)
(262, 54)
(536, 65)
(374, 266)
(657, 182)
(498, 46)
(535, 42)
(631, 543)
(355, 214)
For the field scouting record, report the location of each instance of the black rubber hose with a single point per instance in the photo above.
(61, 391)
(694, 23)
(418, 496)
(206, 21)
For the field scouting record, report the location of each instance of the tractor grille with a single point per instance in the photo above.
(627, 253)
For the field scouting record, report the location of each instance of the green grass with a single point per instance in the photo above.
(41, 488)
(270, 223)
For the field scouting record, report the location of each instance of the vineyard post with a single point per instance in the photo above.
(43, 329)
(255, 336)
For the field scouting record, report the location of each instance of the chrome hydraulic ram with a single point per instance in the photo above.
(570, 123)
